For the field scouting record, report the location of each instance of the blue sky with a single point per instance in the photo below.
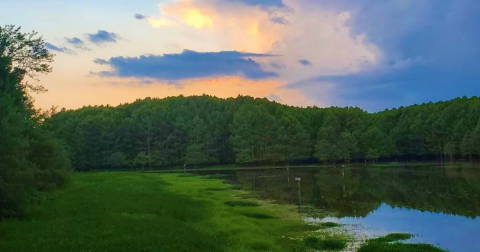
(374, 54)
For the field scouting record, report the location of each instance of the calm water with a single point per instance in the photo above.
(441, 206)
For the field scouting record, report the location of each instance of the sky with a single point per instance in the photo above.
(374, 54)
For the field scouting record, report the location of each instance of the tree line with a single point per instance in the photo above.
(32, 160)
(205, 130)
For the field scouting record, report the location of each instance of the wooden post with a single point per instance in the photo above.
(298, 179)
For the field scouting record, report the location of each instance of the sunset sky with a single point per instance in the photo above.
(374, 54)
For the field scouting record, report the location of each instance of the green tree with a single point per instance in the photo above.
(450, 149)
(468, 145)
(195, 155)
(117, 159)
(32, 159)
(142, 159)
(347, 145)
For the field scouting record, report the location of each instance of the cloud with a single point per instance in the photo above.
(187, 65)
(58, 49)
(140, 16)
(305, 62)
(77, 43)
(101, 61)
(262, 3)
(279, 15)
(428, 54)
(277, 65)
(274, 97)
(103, 37)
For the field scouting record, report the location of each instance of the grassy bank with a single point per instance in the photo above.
(126, 211)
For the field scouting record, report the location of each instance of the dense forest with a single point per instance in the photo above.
(32, 161)
(156, 133)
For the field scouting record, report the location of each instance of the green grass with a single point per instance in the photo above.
(239, 203)
(259, 216)
(130, 212)
(390, 243)
(325, 243)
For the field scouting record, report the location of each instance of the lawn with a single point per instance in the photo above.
(129, 211)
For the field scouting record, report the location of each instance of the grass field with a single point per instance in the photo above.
(127, 211)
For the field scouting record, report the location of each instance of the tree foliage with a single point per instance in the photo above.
(27, 52)
(32, 160)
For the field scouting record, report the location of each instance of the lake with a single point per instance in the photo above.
(440, 206)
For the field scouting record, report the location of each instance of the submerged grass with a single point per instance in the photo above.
(390, 243)
(130, 212)
(392, 237)
(329, 224)
(398, 247)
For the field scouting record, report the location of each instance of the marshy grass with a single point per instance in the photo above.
(398, 247)
(392, 237)
(328, 224)
(325, 243)
(391, 243)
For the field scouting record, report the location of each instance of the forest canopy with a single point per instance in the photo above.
(155, 133)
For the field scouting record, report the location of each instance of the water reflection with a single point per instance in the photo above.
(441, 206)
(356, 192)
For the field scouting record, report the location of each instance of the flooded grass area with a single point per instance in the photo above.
(377, 205)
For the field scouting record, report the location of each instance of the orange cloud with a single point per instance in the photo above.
(233, 27)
